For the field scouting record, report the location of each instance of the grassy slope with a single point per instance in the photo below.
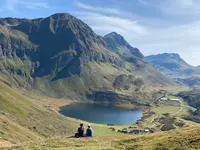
(29, 111)
(181, 139)
(26, 113)
(25, 118)
(98, 77)
(91, 78)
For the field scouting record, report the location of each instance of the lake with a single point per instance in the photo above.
(101, 114)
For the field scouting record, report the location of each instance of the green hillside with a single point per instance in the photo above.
(23, 119)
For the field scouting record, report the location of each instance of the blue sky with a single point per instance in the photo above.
(154, 26)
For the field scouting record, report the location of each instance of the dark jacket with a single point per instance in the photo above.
(89, 132)
(80, 131)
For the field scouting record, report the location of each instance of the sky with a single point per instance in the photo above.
(153, 26)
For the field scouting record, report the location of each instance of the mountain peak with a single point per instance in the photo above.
(117, 43)
(62, 16)
(112, 34)
(173, 55)
(170, 64)
(115, 40)
(165, 56)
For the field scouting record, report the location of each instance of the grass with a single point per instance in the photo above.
(29, 119)
(174, 109)
(31, 125)
(181, 139)
(12, 131)
(28, 111)
(25, 118)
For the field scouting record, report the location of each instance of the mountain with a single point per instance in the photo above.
(193, 81)
(60, 56)
(171, 64)
(174, 66)
(118, 44)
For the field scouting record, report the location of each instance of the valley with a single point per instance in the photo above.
(47, 64)
(37, 132)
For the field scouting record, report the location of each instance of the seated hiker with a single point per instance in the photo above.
(80, 131)
(89, 131)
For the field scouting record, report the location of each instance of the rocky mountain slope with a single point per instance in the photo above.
(173, 65)
(60, 56)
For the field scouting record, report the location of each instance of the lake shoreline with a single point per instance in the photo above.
(101, 113)
(56, 105)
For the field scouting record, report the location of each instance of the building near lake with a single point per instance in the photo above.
(175, 99)
(164, 99)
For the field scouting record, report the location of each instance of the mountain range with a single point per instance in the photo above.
(174, 66)
(60, 56)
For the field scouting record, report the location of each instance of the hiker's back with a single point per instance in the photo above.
(89, 132)
(80, 131)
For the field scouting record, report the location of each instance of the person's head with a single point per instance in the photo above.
(89, 125)
(81, 125)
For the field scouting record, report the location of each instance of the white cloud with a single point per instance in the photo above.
(105, 24)
(11, 5)
(34, 4)
(177, 37)
(180, 7)
(97, 9)
(182, 39)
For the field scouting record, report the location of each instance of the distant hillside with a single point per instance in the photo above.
(193, 81)
(193, 99)
(172, 64)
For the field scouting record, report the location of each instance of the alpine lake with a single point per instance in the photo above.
(101, 114)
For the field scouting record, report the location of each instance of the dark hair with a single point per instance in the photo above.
(81, 124)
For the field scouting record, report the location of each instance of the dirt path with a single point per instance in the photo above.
(182, 106)
(178, 111)
(154, 124)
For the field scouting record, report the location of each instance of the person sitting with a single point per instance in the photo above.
(89, 131)
(80, 131)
